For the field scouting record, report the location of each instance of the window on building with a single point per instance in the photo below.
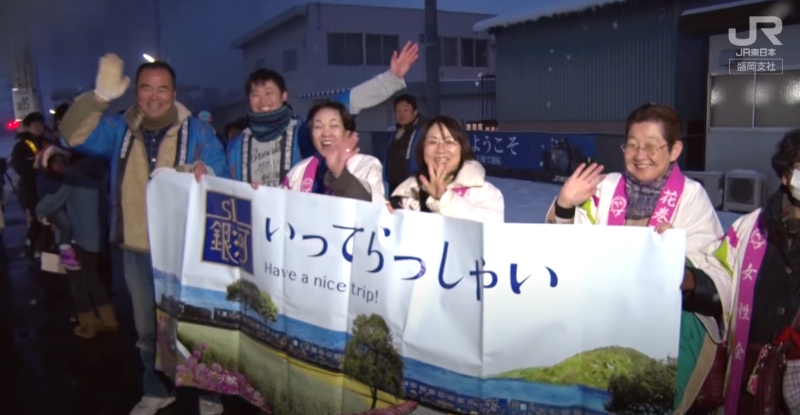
(481, 53)
(759, 101)
(260, 63)
(449, 51)
(778, 100)
(345, 49)
(290, 60)
(474, 53)
(379, 48)
(468, 52)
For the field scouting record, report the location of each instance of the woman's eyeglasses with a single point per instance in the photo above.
(649, 149)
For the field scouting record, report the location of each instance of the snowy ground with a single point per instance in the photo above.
(527, 202)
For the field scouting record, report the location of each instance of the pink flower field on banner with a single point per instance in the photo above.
(214, 378)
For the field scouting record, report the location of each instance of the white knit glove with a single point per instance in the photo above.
(111, 82)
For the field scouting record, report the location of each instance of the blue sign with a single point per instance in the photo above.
(550, 156)
(228, 236)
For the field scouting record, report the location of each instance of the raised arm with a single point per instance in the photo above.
(383, 86)
(84, 128)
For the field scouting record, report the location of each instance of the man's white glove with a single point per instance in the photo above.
(111, 82)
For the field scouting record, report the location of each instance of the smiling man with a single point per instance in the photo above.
(156, 132)
(277, 139)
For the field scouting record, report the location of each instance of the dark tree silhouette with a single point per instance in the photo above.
(250, 297)
(371, 358)
(647, 390)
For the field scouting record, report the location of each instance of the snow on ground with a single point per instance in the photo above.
(527, 202)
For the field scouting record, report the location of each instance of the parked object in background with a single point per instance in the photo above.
(745, 190)
(713, 182)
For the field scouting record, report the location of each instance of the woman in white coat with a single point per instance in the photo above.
(336, 168)
(652, 191)
(450, 181)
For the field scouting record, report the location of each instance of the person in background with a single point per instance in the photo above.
(276, 140)
(336, 168)
(653, 192)
(71, 201)
(205, 116)
(52, 163)
(232, 130)
(399, 162)
(58, 116)
(450, 181)
(23, 160)
(155, 133)
(760, 253)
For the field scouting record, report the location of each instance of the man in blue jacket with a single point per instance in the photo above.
(277, 139)
(155, 132)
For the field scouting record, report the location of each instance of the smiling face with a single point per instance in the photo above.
(266, 97)
(442, 150)
(404, 113)
(647, 154)
(155, 92)
(327, 129)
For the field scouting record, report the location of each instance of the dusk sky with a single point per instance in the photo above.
(69, 37)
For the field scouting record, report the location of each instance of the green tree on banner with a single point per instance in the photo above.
(649, 389)
(250, 297)
(371, 358)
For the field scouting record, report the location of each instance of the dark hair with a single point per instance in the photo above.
(348, 122)
(408, 99)
(24, 135)
(32, 118)
(670, 122)
(230, 126)
(262, 76)
(157, 65)
(787, 154)
(59, 112)
(455, 130)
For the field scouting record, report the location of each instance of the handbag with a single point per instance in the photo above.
(766, 382)
(712, 394)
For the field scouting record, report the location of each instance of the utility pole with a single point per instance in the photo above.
(432, 58)
(24, 88)
(158, 56)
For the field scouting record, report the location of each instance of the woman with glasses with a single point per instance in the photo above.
(450, 181)
(653, 192)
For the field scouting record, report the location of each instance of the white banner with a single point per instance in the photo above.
(309, 304)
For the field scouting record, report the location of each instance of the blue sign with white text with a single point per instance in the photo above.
(553, 156)
(228, 234)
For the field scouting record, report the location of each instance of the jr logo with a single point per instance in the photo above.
(770, 32)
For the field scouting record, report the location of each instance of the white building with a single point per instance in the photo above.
(321, 48)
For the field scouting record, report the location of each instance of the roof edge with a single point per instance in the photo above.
(556, 10)
(286, 16)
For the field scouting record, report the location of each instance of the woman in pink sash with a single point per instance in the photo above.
(761, 254)
(653, 192)
(336, 168)
(450, 181)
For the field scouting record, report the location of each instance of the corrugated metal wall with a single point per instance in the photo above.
(594, 66)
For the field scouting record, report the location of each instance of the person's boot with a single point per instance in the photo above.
(108, 320)
(86, 327)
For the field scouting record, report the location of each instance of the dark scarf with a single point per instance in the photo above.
(778, 215)
(319, 176)
(270, 125)
(643, 197)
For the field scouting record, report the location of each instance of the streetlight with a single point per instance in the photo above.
(53, 112)
(148, 58)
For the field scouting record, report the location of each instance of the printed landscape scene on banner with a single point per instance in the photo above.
(237, 334)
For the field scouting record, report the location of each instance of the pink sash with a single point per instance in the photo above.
(310, 173)
(753, 255)
(665, 208)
